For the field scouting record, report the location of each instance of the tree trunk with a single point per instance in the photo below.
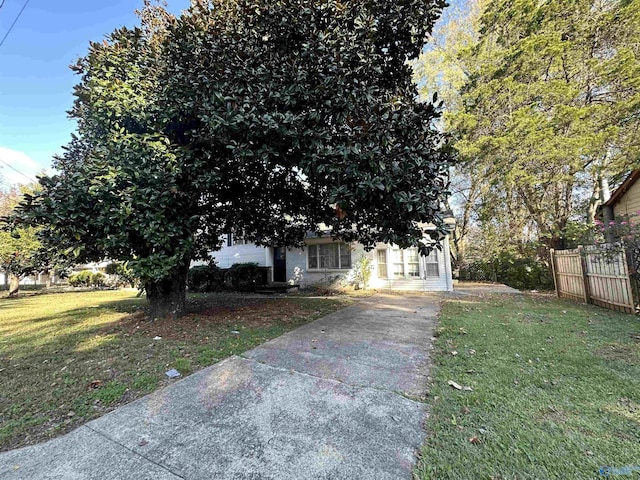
(167, 298)
(14, 284)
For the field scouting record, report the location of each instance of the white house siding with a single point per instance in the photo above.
(422, 282)
(297, 267)
(39, 279)
(299, 273)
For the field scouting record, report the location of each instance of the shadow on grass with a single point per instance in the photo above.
(82, 356)
(67, 329)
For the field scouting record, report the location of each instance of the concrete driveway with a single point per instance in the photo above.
(335, 399)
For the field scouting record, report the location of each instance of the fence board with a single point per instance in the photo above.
(569, 277)
(594, 274)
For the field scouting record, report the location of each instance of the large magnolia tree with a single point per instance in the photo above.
(263, 116)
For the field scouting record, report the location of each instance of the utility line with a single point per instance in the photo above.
(14, 22)
(1, 4)
(31, 179)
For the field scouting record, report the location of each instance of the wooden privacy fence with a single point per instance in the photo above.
(594, 274)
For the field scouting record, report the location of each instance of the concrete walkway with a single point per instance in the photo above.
(334, 399)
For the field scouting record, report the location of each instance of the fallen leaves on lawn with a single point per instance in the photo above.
(457, 386)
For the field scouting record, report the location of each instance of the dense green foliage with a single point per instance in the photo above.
(244, 277)
(543, 101)
(87, 278)
(523, 273)
(269, 117)
(122, 273)
(551, 105)
(205, 278)
(240, 277)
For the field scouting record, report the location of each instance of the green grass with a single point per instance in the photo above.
(67, 358)
(556, 390)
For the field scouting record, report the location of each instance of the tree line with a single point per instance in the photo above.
(542, 105)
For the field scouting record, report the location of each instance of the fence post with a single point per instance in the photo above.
(553, 271)
(585, 277)
(631, 284)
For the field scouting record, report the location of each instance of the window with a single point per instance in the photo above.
(329, 254)
(312, 252)
(345, 256)
(236, 239)
(431, 264)
(398, 262)
(382, 264)
(333, 256)
(413, 262)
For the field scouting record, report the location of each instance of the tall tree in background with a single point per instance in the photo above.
(267, 117)
(19, 249)
(553, 94)
(443, 68)
(543, 101)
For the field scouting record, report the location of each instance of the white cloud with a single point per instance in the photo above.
(21, 162)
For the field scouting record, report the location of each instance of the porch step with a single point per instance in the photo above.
(416, 285)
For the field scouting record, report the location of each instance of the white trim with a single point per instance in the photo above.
(447, 263)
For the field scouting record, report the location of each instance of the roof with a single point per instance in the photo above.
(622, 189)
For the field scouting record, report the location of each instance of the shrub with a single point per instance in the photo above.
(243, 277)
(87, 278)
(517, 272)
(362, 271)
(97, 279)
(121, 274)
(205, 278)
(73, 280)
(81, 279)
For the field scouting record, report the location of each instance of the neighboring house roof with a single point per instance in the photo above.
(622, 189)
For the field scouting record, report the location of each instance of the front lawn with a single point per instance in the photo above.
(555, 391)
(67, 358)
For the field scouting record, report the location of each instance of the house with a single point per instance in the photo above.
(93, 267)
(323, 260)
(29, 280)
(624, 202)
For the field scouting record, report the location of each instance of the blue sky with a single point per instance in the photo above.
(35, 82)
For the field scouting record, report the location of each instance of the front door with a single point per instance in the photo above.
(279, 264)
